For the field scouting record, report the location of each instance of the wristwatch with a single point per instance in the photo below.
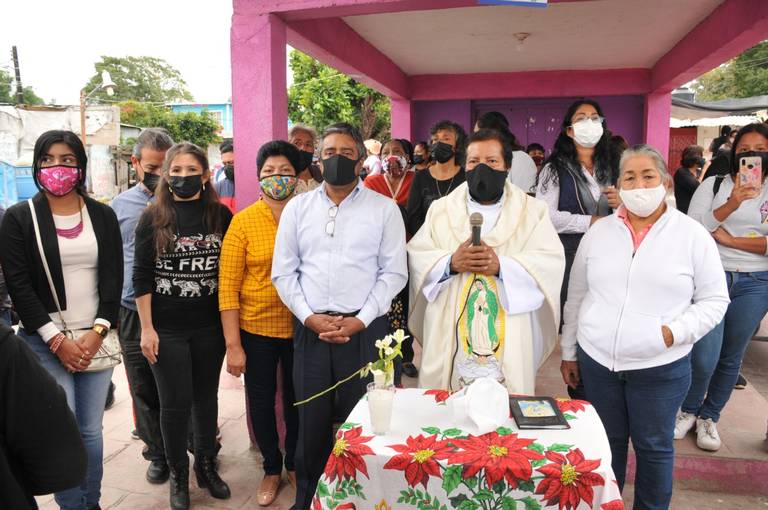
(101, 330)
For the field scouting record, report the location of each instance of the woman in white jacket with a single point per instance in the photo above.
(646, 284)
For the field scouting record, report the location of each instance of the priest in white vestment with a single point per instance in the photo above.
(490, 310)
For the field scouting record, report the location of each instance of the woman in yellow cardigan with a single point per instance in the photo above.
(258, 328)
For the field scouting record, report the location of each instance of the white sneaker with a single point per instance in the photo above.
(707, 437)
(684, 422)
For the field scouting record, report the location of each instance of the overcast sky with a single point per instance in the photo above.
(59, 41)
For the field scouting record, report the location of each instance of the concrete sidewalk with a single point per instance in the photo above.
(736, 472)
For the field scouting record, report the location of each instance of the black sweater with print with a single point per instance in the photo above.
(183, 282)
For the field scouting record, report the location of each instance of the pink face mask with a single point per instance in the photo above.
(59, 180)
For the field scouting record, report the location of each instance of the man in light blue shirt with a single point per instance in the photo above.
(147, 159)
(339, 261)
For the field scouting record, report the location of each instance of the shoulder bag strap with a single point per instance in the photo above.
(45, 263)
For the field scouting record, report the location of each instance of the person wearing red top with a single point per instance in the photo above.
(395, 181)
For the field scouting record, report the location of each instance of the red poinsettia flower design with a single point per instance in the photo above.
(440, 395)
(316, 504)
(347, 455)
(616, 504)
(418, 458)
(501, 457)
(568, 479)
(346, 506)
(567, 404)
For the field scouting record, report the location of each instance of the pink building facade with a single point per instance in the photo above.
(456, 59)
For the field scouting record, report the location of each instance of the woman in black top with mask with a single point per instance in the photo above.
(446, 173)
(175, 277)
(688, 176)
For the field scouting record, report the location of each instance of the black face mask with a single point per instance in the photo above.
(305, 161)
(229, 172)
(486, 184)
(752, 154)
(418, 159)
(339, 170)
(441, 152)
(185, 187)
(150, 181)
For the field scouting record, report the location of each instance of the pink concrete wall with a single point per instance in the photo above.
(658, 107)
(259, 95)
(402, 118)
(534, 120)
(602, 82)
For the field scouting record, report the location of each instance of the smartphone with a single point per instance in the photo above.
(751, 171)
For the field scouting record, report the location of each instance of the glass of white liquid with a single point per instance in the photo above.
(380, 401)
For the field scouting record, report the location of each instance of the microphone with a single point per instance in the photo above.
(476, 220)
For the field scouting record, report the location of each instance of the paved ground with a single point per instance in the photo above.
(126, 489)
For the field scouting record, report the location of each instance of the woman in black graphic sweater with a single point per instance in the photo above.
(175, 276)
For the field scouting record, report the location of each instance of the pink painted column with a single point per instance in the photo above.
(260, 114)
(259, 94)
(658, 107)
(402, 118)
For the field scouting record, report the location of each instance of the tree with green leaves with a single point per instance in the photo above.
(144, 79)
(320, 96)
(744, 76)
(198, 128)
(8, 91)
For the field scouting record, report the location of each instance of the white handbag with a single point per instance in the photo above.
(109, 352)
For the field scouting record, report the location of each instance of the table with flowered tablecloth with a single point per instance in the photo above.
(433, 460)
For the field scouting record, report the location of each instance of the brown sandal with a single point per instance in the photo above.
(267, 492)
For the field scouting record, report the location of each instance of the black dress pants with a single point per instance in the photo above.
(141, 383)
(318, 365)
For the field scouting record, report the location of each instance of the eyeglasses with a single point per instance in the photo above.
(593, 118)
(330, 227)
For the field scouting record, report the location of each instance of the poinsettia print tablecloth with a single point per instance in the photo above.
(433, 460)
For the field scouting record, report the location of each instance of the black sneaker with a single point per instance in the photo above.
(110, 396)
(135, 434)
(741, 383)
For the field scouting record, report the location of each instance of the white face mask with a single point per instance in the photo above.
(643, 202)
(587, 132)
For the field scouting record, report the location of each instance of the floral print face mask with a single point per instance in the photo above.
(278, 187)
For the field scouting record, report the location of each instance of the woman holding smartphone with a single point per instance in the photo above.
(734, 208)
(175, 278)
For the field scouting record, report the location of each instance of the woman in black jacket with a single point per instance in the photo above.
(35, 457)
(82, 245)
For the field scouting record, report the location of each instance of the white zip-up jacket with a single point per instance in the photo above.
(619, 299)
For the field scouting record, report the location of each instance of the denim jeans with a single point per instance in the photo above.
(86, 393)
(5, 315)
(718, 355)
(641, 405)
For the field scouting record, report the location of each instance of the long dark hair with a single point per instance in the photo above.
(564, 154)
(757, 127)
(69, 138)
(163, 211)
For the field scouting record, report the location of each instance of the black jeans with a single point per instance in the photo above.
(262, 357)
(141, 383)
(317, 365)
(187, 374)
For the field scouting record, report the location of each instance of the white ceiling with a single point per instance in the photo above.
(596, 34)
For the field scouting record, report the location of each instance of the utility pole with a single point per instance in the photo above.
(19, 89)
